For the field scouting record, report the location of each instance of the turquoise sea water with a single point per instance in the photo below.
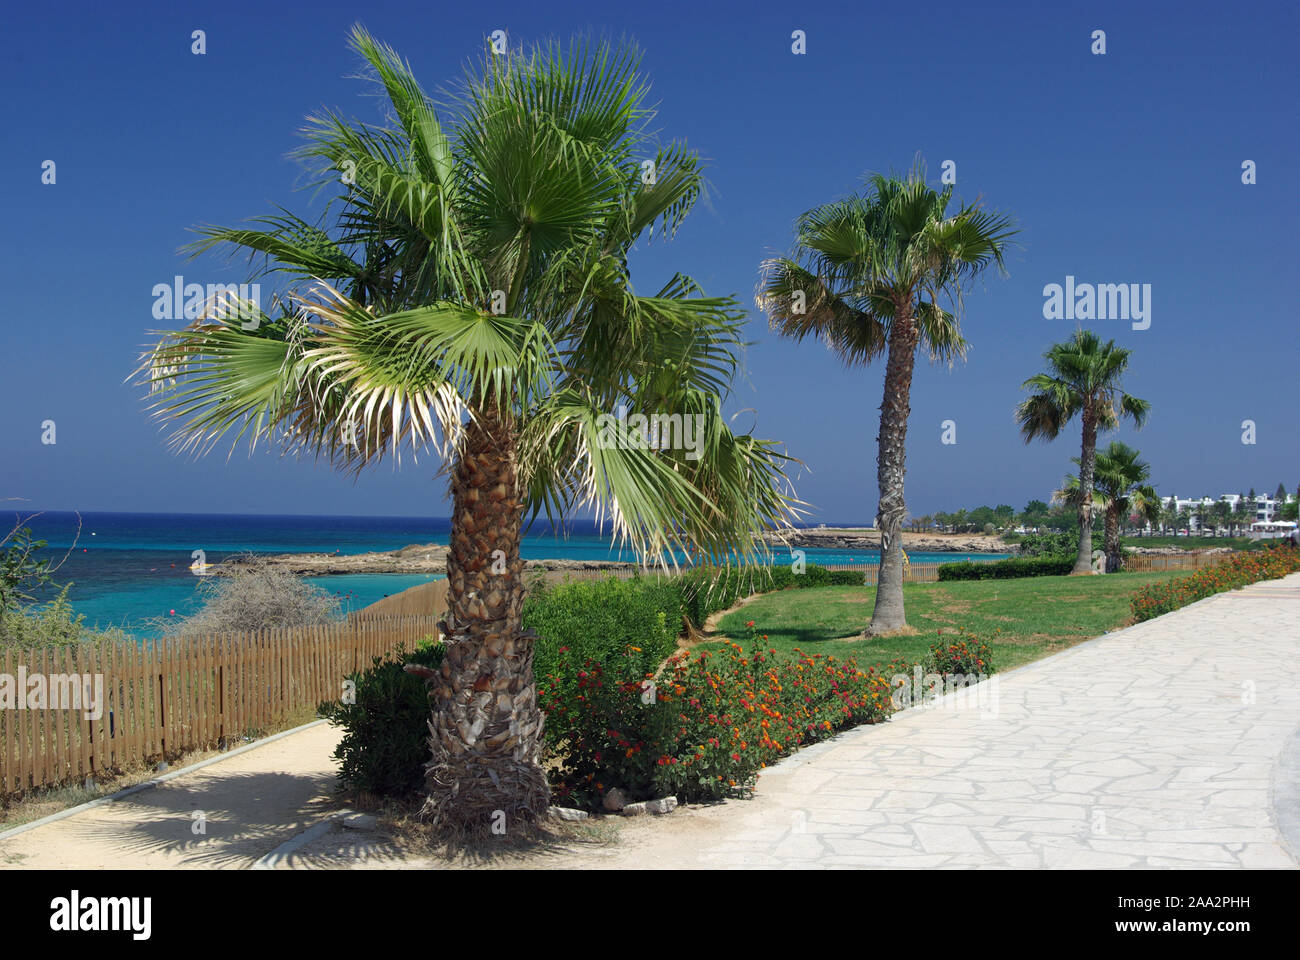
(126, 568)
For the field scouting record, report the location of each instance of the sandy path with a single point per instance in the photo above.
(250, 803)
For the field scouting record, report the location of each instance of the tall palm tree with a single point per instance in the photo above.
(1121, 486)
(470, 294)
(1083, 379)
(870, 275)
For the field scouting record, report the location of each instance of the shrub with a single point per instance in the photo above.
(1237, 570)
(708, 724)
(1064, 544)
(1011, 568)
(385, 739)
(255, 596)
(966, 655)
(596, 619)
(21, 567)
(847, 578)
(54, 624)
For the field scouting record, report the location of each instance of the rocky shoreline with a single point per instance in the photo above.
(862, 538)
(432, 557)
(417, 558)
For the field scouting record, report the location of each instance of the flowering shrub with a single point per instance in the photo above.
(966, 655)
(706, 725)
(1236, 571)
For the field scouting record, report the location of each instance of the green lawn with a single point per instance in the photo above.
(1021, 619)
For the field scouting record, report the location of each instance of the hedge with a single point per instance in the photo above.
(599, 619)
(595, 619)
(1011, 568)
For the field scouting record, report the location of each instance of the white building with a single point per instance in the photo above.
(1266, 508)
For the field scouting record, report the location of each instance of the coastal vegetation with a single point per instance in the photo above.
(254, 596)
(25, 567)
(874, 276)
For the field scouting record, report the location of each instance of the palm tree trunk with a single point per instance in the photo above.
(888, 615)
(1113, 559)
(486, 727)
(1087, 467)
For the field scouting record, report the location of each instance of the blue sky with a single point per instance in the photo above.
(1123, 168)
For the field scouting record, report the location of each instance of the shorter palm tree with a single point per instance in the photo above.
(1083, 378)
(1121, 488)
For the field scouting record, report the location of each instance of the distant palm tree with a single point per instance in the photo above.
(1083, 379)
(472, 295)
(1222, 514)
(869, 276)
(1121, 487)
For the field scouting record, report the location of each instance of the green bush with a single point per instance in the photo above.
(1064, 544)
(53, 624)
(385, 740)
(596, 619)
(846, 578)
(1009, 569)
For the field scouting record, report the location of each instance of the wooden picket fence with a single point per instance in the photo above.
(161, 699)
(1148, 562)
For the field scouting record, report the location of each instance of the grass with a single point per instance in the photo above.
(1022, 620)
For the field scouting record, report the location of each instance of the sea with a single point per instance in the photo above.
(132, 570)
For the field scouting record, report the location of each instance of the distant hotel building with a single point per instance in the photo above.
(1266, 507)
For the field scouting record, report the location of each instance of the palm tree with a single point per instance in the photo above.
(1083, 379)
(471, 295)
(870, 276)
(1222, 514)
(1121, 486)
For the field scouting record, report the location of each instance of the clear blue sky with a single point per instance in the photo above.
(1123, 168)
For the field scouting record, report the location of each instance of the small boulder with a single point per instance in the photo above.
(615, 800)
(568, 813)
(636, 809)
(662, 805)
